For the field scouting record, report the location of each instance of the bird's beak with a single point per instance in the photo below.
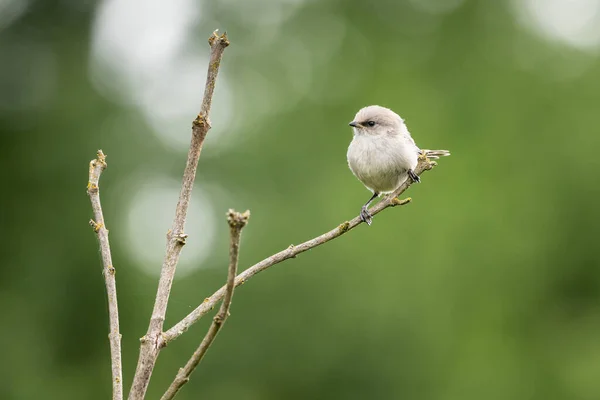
(353, 124)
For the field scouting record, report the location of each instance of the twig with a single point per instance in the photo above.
(292, 251)
(152, 342)
(236, 221)
(96, 167)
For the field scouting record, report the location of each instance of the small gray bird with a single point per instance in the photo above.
(382, 154)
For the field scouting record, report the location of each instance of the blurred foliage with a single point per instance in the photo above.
(486, 286)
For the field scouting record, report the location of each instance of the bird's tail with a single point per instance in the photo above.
(435, 154)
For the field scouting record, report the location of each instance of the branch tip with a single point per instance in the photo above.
(222, 40)
(237, 220)
(100, 160)
(428, 164)
(101, 157)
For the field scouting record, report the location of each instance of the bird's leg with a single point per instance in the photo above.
(414, 177)
(365, 215)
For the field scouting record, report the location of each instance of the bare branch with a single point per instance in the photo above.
(236, 221)
(292, 251)
(152, 342)
(96, 167)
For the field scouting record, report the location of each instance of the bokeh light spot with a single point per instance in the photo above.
(11, 10)
(151, 62)
(575, 23)
(150, 214)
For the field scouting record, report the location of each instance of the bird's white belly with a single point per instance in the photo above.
(381, 164)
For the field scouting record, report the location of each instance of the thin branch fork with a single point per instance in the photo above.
(152, 342)
(97, 166)
(292, 251)
(236, 221)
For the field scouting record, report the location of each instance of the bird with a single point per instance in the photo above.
(382, 154)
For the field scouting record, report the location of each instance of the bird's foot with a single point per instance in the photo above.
(366, 216)
(414, 177)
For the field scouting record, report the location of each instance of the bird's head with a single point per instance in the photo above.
(377, 120)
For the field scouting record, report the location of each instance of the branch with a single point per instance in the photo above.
(96, 167)
(236, 222)
(152, 342)
(292, 251)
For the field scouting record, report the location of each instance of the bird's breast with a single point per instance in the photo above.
(380, 162)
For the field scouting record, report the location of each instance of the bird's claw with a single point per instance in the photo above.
(414, 177)
(366, 216)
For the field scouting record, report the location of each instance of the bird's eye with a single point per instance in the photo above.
(371, 123)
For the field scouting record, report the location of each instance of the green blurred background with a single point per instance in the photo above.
(487, 286)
